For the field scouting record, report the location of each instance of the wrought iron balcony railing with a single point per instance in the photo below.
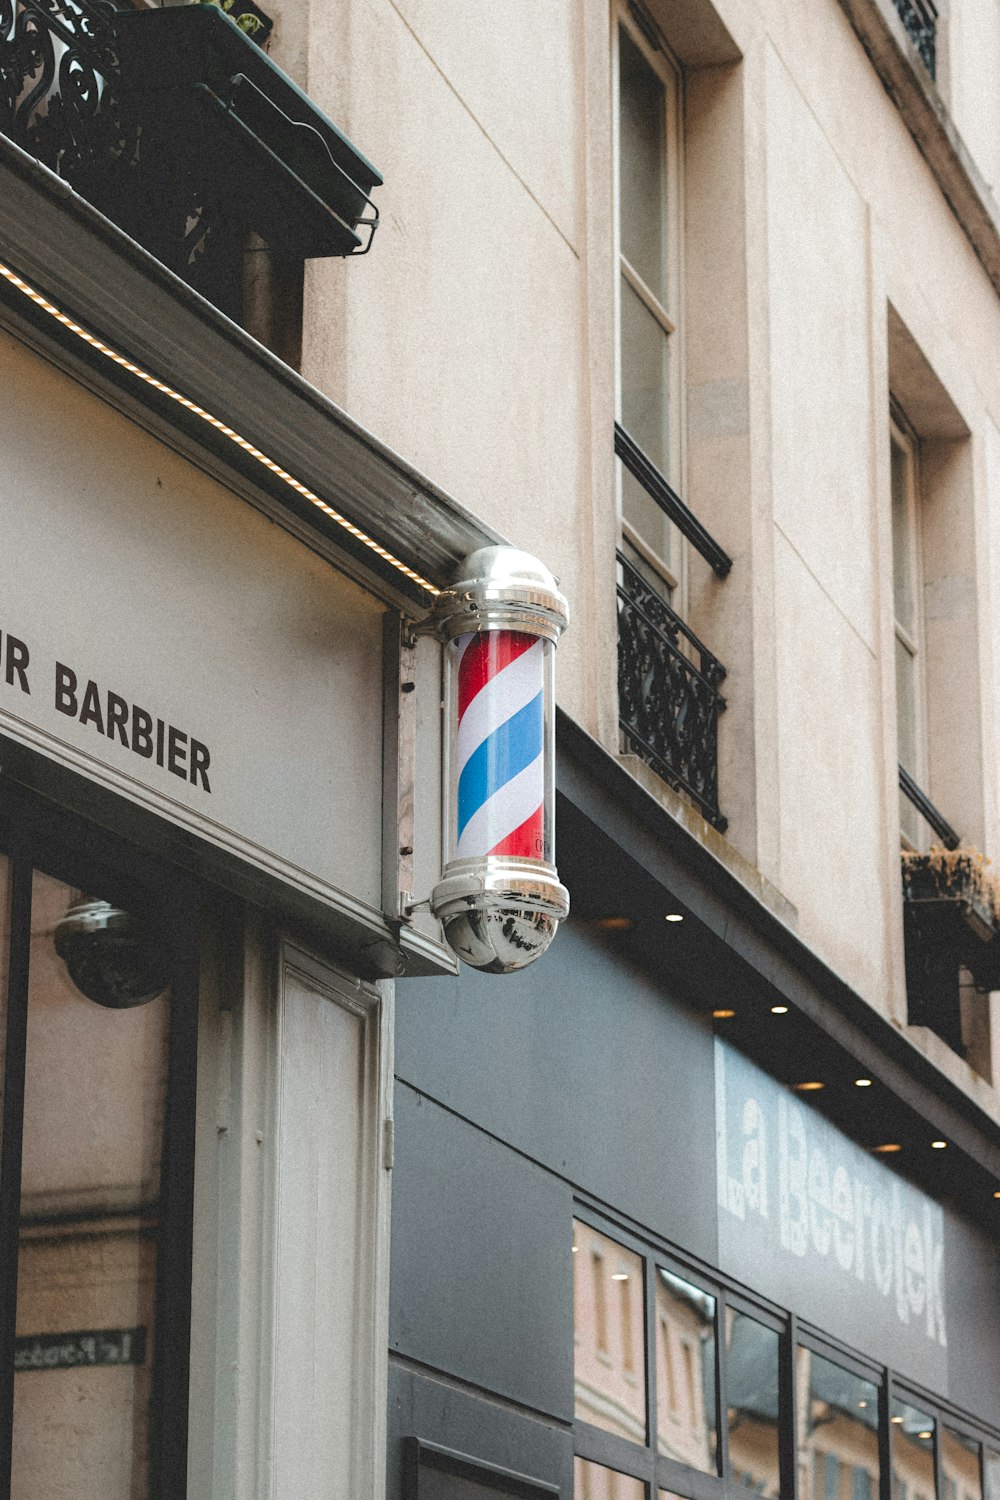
(177, 126)
(668, 693)
(57, 67)
(920, 19)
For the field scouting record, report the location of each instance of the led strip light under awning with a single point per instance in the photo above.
(243, 443)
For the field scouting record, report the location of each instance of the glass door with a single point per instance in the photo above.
(97, 1031)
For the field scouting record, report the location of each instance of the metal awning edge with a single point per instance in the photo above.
(88, 267)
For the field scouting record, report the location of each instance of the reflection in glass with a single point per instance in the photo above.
(4, 947)
(752, 1389)
(838, 1431)
(594, 1482)
(912, 1453)
(991, 1474)
(685, 1373)
(609, 1317)
(960, 1469)
(94, 1100)
(642, 165)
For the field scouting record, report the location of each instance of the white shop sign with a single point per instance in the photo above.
(165, 639)
(809, 1218)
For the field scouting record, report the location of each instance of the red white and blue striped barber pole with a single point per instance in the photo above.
(499, 897)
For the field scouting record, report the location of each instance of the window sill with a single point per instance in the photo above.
(926, 116)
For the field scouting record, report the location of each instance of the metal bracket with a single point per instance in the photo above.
(399, 733)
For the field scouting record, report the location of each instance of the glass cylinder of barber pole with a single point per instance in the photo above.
(500, 899)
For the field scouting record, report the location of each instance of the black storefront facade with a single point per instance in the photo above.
(632, 1256)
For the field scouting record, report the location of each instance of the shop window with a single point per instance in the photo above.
(595, 1482)
(913, 1462)
(685, 1418)
(97, 1005)
(839, 1428)
(961, 1466)
(690, 1375)
(753, 1401)
(609, 1330)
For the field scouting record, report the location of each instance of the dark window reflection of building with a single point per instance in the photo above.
(609, 1313)
(912, 1435)
(837, 1442)
(594, 1482)
(686, 1428)
(94, 1102)
(752, 1394)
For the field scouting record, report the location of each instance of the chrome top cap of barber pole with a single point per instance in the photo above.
(502, 587)
(499, 899)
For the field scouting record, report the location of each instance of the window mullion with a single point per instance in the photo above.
(721, 1420)
(10, 1148)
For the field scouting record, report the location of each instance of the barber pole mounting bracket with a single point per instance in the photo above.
(499, 898)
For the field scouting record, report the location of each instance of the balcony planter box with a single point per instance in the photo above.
(204, 93)
(951, 911)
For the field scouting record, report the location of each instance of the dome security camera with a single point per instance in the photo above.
(110, 955)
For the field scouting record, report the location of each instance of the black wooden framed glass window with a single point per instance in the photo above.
(97, 1034)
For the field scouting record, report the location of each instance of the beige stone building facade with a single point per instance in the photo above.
(697, 302)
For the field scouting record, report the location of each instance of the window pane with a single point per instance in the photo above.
(594, 1482)
(642, 165)
(4, 948)
(838, 1452)
(95, 1090)
(644, 377)
(902, 537)
(960, 1466)
(912, 1453)
(991, 1474)
(906, 706)
(752, 1402)
(609, 1324)
(685, 1373)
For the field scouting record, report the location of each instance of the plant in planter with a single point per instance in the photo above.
(951, 907)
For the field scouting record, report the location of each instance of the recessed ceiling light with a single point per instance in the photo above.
(619, 1276)
(725, 1015)
(938, 1145)
(897, 1419)
(615, 924)
(862, 1404)
(996, 1195)
(862, 1083)
(888, 1147)
(925, 1434)
(779, 1010)
(810, 1087)
(673, 916)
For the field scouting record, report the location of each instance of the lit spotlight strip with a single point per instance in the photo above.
(234, 437)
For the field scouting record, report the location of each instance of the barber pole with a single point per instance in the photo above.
(499, 898)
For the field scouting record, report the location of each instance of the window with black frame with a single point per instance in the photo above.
(688, 1389)
(97, 1022)
(648, 1371)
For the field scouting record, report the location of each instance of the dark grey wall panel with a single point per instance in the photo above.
(496, 1439)
(582, 1063)
(481, 1285)
(972, 1304)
